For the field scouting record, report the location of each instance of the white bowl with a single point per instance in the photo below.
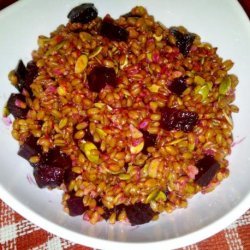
(222, 23)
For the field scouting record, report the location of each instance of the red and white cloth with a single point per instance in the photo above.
(18, 233)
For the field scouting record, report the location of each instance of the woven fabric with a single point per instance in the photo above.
(18, 233)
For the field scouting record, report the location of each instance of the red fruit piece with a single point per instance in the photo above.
(17, 106)
(113, 32)
(174, 119)
(76, 206)
(47, 176)
(83, 13)
(208, 167)
(101, 76)
(139, 213)
(29, 148)
(183, 41)
(149, 140)
(178, 85)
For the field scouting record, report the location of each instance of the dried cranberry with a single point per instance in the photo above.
(183, 41)
(69, 175)
(113, 32)
(139, 213)
(178, 85)
(174, 119)
(14, 106)
(149, 140)
(56, 158)
(29, 148)
(208, 167)
(76, 206)
(83, 13)
(101, 76)
(47, 176)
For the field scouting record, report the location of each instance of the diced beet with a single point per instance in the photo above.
(83, 13)
(149, 140)
(69, 175)
(55, 158)
(47, 176)
(20, 73)
(14, 106)
(178, 85)
(32, 72)
(183, 41)
(208, 167)
(113, 32)
(26, 76)
(29, 148)
(139, 213)
(174, 119)
(101, 76)
(76, 206)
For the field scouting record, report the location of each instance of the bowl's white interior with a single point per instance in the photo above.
(220, 22)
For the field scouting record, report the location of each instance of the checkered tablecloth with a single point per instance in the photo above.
(18, 233)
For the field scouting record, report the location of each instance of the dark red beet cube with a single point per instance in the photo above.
(174, 119)
(139, 213)
(25, 75)
(113, 32)
(149, 140)
(47, 176)
(15, 107)
(208, 167)
(178, 85)
(29, 148)
(83, 13)
(76, 206)
(101, 76)
(183, 41)
(56, 158)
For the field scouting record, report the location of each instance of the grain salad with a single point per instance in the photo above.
(128, 117)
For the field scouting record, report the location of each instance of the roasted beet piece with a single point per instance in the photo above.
(17, 106)
(178, 85)
(69, 175)
(149, 140)
(113, 32)
(139, 213)
(55, 158)
(208, 167)
(83, 13)
(183, 41)
(25, 75)
(101, 76)
(174, 119)
(76, 206)
(29, 148)
(48, 176)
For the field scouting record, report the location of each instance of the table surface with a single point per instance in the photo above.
(18, 233)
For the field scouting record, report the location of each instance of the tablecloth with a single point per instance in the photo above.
(18, 233)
